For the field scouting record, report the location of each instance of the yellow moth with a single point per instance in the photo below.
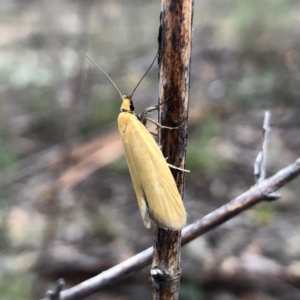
(155, 188)
(153, 182)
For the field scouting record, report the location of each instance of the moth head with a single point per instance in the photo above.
(127, 105)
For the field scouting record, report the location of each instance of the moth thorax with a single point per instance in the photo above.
(127, 105)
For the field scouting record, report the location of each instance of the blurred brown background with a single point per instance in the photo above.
(67, 204)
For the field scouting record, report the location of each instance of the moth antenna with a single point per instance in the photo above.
(143, 76)
(104, 72)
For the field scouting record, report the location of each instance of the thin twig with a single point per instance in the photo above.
(55, 295)
(261, 160)
(253, 196)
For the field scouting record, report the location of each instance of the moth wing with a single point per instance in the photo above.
(153, 182)
(133, 170)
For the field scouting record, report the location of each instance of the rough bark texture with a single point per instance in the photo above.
(174, 68)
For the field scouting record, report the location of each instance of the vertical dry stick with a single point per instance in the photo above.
(260, 162)
(174, 68)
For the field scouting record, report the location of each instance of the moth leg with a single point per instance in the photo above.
(155, 134)
(159, 125)
(176, 168)
(142, 116)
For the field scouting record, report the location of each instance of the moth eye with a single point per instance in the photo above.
(131, 107)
